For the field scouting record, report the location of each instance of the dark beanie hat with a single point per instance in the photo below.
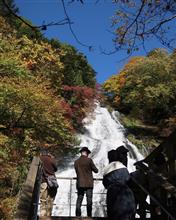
(122, 150)
(112, 156)
(44, 151)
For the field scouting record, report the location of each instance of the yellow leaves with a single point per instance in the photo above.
(5, 28)
(132, 62)
(111, 83)
(31, 58)
(61, 52)
(117, 100)
(121, 79)
(115, 83)
(34, 107)
(32, 53)
(3, 138)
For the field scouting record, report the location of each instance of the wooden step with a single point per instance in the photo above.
(71, 218)
(78, 218)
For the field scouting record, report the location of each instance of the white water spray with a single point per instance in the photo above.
(103, 132)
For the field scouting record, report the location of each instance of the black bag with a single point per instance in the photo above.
(52, 182)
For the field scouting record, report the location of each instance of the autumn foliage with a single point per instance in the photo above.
(80, 100)
(46, 89)
(145, 88)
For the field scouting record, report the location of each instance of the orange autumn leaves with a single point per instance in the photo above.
(48, 71)
(115, 83)
(46, 89)
(145, 88)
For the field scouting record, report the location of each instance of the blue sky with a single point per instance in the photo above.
(91, 25)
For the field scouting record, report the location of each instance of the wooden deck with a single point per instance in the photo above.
(78, 218)
(71, 218)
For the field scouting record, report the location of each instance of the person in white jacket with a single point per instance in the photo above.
(120, 198)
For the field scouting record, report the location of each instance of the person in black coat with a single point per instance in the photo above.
(120, 199)
(139, 177)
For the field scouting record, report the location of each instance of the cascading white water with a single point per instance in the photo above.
(103, 132)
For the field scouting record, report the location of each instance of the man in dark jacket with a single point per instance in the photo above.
(47, 194)
(84, 167)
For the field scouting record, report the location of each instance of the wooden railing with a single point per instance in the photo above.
(72, 191)
(168, 148)
(162, 194)
(159, 168)
(29, 196)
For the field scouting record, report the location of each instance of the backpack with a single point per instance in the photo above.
(52, 182)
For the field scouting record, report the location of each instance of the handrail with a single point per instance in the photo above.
(74, 178)
(70, 192)
(28, 201)
(168, 147)
(154, 200)
(164, 184)
(167, 186)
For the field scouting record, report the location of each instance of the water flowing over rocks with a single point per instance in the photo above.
(103, 132)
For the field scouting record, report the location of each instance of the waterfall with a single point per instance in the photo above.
(103, 132)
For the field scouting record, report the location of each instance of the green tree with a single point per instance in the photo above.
(33, 108)
(148, 89)
(32, 111)
(77, 71)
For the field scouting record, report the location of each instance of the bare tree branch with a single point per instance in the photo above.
(134, 21)
(42, 27)
(15, 15)
(20, 117)
(71, 29)
(139, 20)
(158, 26)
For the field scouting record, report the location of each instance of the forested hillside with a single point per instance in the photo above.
(46, 88)
(144, 91)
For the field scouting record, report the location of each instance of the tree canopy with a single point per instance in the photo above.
(145, 87)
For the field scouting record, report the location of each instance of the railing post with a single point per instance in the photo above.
(36, 193)
(70, 197)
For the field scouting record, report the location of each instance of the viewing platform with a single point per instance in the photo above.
(164, 199)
